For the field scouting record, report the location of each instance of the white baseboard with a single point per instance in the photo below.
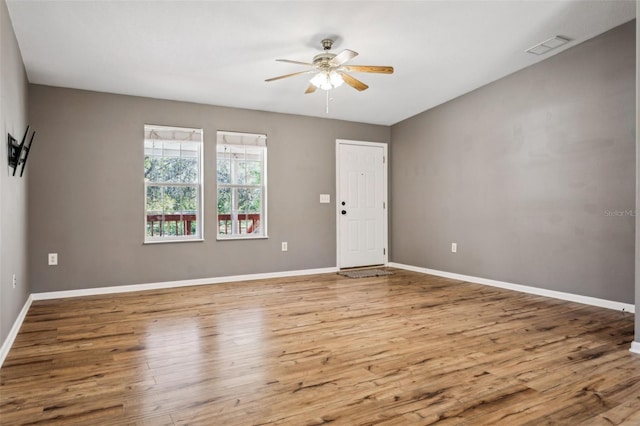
(635, 348)
(8, 342)
(603, 303)
(173, 284)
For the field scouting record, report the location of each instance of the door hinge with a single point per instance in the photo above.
(384, 251)
(384, 205)
(384, 159)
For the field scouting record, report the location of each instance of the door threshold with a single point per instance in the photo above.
(355, 268)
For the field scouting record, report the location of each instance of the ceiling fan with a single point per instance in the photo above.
(330, 69)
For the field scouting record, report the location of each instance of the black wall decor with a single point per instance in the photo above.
(19, 152)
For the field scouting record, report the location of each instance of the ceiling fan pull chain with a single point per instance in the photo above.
(326, 110)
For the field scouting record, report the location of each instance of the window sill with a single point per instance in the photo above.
(190, 240)
(238, 238)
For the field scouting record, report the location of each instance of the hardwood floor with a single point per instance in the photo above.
(402, 349)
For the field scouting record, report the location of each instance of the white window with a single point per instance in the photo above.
(172, 183)
(242, 185)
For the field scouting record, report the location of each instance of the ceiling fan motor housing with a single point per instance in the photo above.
(321, 60)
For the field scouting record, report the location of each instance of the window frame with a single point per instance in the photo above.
(232, 186)
(199, 188)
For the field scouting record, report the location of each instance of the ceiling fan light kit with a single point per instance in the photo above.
(327, 80)
(330, 70)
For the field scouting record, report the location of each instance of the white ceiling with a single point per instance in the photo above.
(220, 53)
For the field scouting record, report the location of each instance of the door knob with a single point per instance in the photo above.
(344, 212)
(343, 203)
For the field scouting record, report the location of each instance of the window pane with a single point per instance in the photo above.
(248, 172)
(224, 211)
(172, 199)
(248, 223)
(239, 165)
(239, 172)
(167, 161)
(154, 211)
(152, 169)
(180, 199)
(254, 172)
(224, 170)
(183, 170)
(171, 210)
(154, 200)
(249, 200)
(224, 200)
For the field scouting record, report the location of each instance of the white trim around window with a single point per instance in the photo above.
(173, 184)
(241, 186)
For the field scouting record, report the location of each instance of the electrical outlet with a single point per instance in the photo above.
(284, 246)
(14, 281)
(53, 259)
(454, 247)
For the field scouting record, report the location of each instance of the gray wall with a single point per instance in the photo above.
(13, 196)
(533, 176)
(86, 191)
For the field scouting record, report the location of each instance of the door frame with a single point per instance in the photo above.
(385, 198)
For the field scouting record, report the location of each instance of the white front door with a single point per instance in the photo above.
(361, 203)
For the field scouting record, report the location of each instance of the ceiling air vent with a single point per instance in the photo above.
(548, 45)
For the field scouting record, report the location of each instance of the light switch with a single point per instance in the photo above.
(325, 198)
